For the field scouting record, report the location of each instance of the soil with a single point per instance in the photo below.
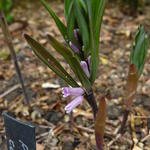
(54, 128)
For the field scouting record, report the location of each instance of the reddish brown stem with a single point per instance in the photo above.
(92, 102)
(130, 93)
(100, 123)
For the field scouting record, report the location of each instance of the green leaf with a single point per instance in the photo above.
(139, 49)
(50, 61)
(94, 55)
(71, 25)
(8, 4)
(98, 7)
(83, 5)
(9, 18)
(83, 26)
(68, 6)
(95, 14)
(61, 49)
(58, 22)
(72, 61)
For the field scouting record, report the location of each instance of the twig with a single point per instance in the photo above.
(12, 52)
(146, 138)
(86, 129)
(114, 140)
(142, 117)
(9, 91)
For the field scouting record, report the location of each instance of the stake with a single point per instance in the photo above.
(8, 40)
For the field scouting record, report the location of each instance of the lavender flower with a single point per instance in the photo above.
(73, 104)
(74, 47)
(85, 68)
(78, 92)
(68, 91)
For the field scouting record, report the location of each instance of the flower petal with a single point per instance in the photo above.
(73, 104)
(69, 91)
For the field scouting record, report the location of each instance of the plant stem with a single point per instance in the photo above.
(8, 40)
(100, 123)
(92, 102)
(125, 118)
(130, 93)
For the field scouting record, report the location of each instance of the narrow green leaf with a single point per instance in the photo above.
(58, 22)
(94, 55)
(50, 61)
(83, 26)
(60, 48)
(71, 25)
(98, 12)
(95, 14)
(72, 61)
(68, 6)
(83, 5)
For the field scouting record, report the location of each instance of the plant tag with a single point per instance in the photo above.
(20, 136)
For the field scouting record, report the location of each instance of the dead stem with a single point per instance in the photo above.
(8, 40)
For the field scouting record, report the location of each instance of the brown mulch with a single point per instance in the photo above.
(54, 128)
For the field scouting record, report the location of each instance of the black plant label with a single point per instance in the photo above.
(20, 136)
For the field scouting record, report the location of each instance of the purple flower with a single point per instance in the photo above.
(73, 104)
(76, 32)
(69, 91)
(85, 68)
(77, 92)
(74, 47)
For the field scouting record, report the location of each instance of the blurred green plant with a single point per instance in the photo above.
(139, 49)
(5, 6)
(133, 6)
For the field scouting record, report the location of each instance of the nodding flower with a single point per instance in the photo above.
(73, 104)
(77, 92)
